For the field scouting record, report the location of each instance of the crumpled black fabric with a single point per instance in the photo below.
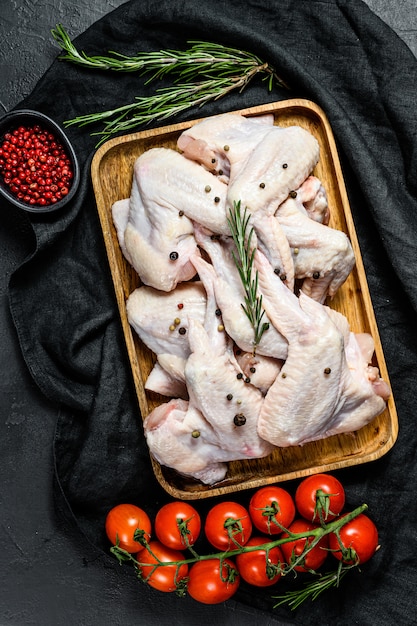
(338, 54)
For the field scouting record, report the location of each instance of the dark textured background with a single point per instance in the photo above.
(46, 578)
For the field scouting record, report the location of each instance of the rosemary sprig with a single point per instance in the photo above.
(244, 262)
(165, 103)
(312, 589)
(203, 72)
(200, 58)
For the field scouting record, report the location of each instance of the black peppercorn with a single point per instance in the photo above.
(239, 419)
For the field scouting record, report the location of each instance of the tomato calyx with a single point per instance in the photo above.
(300, 560)
(272, 570)
(183, 529)
(140, 536)
(231, 572)
(322, 510)
(270, 512)
(181, 587)
(122, 555)
(234, 529)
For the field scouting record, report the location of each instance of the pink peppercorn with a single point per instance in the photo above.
(32, 160)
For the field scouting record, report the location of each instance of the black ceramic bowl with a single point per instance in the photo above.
(28, 119)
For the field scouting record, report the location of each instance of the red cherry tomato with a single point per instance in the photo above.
(121, 523)
(207, 585)
(177, 525)
(260, 568)
(228, 525)
(164, 577)
(320, 498)
(359, 537)
(271, 508)
(293, 549)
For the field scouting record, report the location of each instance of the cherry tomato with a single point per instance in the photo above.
(207, 585)
(291, 550)
(359, 537)
(259, 568)
(164, 577)
(177, 525)
(121, 523)
(320, 498)
(271, 508)
(228, 525)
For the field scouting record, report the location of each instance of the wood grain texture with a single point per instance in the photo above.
(112, 169)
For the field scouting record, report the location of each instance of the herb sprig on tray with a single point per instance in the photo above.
(244, 261)
(202, 73)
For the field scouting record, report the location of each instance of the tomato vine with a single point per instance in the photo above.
(292, 598)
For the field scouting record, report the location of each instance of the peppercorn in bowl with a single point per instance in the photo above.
(39, 170)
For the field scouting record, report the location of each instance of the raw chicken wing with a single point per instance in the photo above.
(179, 437)
(300, 404)
(161, 318)
(323, 256)
(222, 143)
(277, 165)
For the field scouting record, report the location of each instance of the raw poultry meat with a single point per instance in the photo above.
(177, 184)
(178, 436)
(314, 199)
(262, 163)
(154, 229)
(303, 397)
(219, 423)
(161, 318)
(276, 166)
(364, 392)
(157, 238)
(216, 385)
(120, 216)
(262, 370)
(305, 401)
(309, 376)
(323, 256)
(273, 242)
(229, 403)
(222, 143)
(167, 377)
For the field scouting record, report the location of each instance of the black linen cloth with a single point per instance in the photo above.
(341, 56)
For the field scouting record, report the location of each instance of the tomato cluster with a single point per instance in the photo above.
(250, 541)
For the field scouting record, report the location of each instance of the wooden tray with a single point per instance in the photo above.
(111, 169)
